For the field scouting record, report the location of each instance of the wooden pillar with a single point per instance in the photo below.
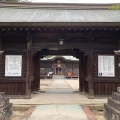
(90, 74)
(29, 64)
(0, 54)
(81, 74)
(39, 63)
(119, 57)
(37, 71)
(0, 42)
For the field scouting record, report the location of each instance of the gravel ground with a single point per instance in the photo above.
(99, 115)
(20, 113)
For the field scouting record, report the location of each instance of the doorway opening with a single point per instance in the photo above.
(48, 74)
(58, 70)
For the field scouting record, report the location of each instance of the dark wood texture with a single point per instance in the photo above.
(36, 82)
(105, 88)
(13, 85)
(45, 41)
(0, 42)
(0, 54)
(81, 73)
(29, 65)
(90, 74)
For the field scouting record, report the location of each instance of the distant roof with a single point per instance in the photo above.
(68, 58)
(10, 15)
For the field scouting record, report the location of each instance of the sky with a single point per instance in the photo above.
(78, 1)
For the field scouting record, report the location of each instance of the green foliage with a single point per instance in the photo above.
(115, 7)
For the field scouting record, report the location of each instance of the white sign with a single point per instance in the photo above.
(106, 66)
(13, 65)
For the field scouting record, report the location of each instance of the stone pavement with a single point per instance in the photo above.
(58, 112)
(59, 92)
(59, 100)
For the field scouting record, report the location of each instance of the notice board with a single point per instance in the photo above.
(106, 66)
(13, 65)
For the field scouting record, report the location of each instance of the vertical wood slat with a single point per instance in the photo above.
(105, 88)
(13, 88)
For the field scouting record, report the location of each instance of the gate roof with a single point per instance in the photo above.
(57, 15)
(45, 15)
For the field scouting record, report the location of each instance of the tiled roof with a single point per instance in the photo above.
(60, 16)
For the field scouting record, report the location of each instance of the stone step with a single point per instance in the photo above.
(113, 103)
(6, 112)
(111, 113)
(116, 96)
(118, 90)
(3, 102)
(2, 95)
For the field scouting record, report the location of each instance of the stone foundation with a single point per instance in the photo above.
(5, 107)
(112, 108)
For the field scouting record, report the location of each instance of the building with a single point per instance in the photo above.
(89, 32)
(59, 67)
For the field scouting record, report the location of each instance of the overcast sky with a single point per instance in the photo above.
(78, 1)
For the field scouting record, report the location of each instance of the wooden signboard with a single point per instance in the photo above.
(106, 66)
(13, 65)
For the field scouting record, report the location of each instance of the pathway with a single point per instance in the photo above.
(58, 112)
(58, 92)
(59, 101)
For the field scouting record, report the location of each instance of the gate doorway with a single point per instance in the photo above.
(57, 69)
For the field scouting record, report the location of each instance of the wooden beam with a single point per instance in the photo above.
(29, 57)
(59, 52)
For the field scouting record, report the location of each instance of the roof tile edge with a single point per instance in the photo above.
(79, 6)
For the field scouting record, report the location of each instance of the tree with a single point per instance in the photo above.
(115, 7)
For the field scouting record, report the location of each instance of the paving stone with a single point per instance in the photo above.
(58, 112)
(63, 93)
